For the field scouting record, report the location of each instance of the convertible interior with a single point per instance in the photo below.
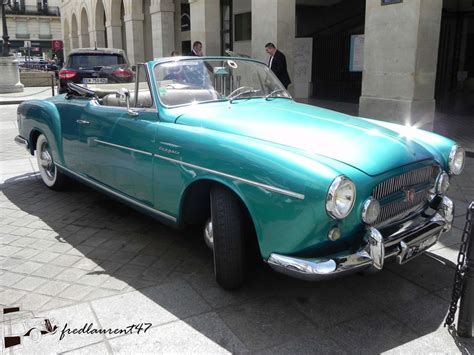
(172, 97)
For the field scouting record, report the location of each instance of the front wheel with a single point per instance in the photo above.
(227, 238)
(49, 172)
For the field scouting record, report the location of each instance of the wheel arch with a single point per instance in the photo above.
(195, 203)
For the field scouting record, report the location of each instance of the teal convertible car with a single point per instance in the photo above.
(219, 142)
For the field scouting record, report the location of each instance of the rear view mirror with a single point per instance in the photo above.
(124, 94)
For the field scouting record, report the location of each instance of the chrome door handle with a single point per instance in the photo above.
(83, 122)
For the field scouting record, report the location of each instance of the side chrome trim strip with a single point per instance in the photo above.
(123, 147)
(123, 197)
(249, 182)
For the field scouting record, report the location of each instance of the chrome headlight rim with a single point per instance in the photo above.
(439, 182)
(455, 150)
(331, 207)
(370, 202)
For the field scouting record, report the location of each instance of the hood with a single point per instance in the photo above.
(364, 145)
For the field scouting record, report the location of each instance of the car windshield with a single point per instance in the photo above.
(191, 81)
(90, 61)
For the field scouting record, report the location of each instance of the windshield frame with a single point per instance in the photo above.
(224, 99)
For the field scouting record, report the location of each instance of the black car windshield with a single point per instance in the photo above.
(86, 61)
(190, 81)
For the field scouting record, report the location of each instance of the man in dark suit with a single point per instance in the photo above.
(197, 49)
(277, 63)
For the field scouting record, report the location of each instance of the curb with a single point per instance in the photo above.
(12, 102)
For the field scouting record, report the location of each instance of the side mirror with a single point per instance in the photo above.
(124, 94)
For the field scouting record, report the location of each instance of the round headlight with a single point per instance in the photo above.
(340, 198)
(456, 159)
(442, 183)
(370, 210)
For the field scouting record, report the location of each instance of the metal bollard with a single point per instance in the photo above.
(52, 85)
(466, 308)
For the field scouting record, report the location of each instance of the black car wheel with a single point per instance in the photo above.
(228, 238)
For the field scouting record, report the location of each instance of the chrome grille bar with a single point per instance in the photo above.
(400, 208)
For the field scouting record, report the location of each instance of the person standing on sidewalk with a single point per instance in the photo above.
(277, 63)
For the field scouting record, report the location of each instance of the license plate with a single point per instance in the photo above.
(94, 80)
(414, 250)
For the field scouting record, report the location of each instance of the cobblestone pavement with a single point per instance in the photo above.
(78, 257)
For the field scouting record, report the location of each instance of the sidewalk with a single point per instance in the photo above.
(29, 93)
(87, 262)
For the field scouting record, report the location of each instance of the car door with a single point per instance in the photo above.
(117, 142)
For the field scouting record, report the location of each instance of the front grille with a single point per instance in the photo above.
(418, 181)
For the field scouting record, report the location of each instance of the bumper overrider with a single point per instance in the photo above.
(404, 242)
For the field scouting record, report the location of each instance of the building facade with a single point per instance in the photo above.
(34, 27)
(380, 53)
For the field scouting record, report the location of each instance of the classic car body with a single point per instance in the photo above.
(318, 192)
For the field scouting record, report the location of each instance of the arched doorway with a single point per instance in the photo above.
(101, 30)
(84, 39)
(74, 33)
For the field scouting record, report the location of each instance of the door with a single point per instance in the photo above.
(118, 144)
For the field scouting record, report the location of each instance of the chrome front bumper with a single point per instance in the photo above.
(405, 242)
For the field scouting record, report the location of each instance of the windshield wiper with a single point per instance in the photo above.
(273, 93)
(250, 91)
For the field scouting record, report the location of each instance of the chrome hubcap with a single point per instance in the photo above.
(46, 162)
(208, 235)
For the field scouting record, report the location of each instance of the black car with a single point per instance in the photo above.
(95, 66)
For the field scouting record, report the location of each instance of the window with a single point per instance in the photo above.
(185, 18)
(44, 27)
(144, 98)
(243, 27)
(22, 29)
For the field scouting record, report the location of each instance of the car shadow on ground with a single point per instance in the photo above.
(116, 251)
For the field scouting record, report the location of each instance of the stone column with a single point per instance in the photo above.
(274, 21)
(400, 57)
(205, 25)
(134, 33)
(97, 38)
(74, 40)
(162, 25)
(114, 34)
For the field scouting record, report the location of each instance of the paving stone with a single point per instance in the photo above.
(121, 256)
(26, 253)
(11, 264)
(60, 247)
(49, 271)
(8, 250)
(80, 251)
(66, 260)
(7, 238)
(108, 267)
(33, 301)
(76, 292)
(71, 274)
(45, 256)
(86, 264)
(9, 278)
(52, 288)
(22, 231)
(57, 303)
(28, 267)
(131, 270)
(11, 297)
(93, 278)
(143, 260)
(29, 283)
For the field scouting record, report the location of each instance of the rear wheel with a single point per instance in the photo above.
(228, 238)
(49, 172)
